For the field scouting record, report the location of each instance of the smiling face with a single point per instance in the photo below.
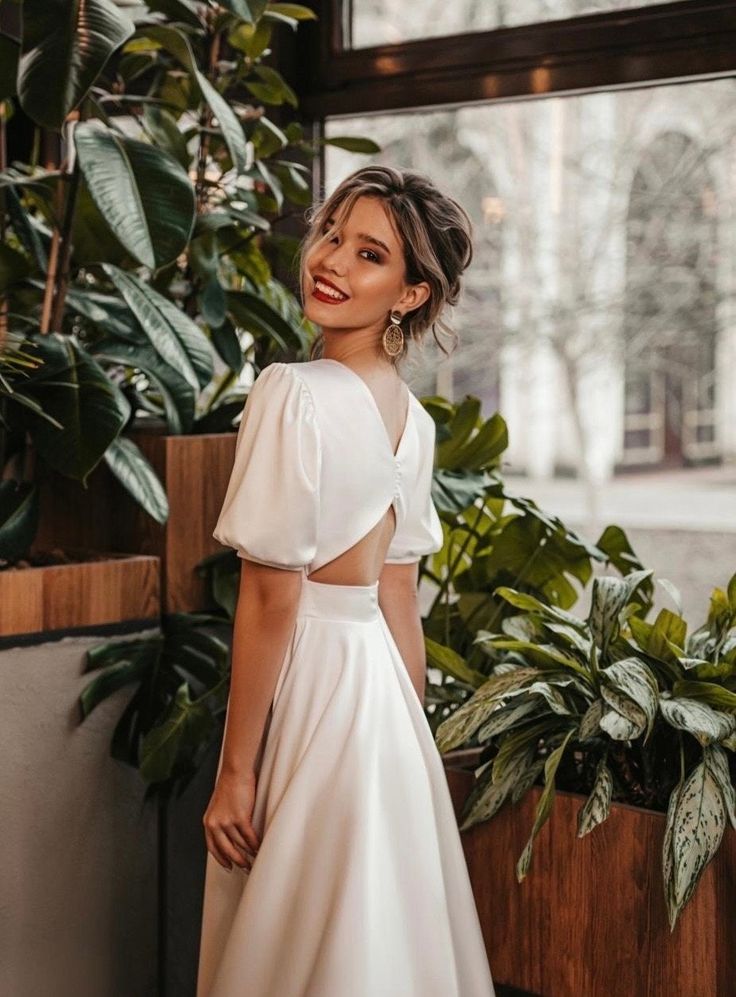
(355, 277)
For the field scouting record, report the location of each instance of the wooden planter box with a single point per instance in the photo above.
(194, 470)
(590, 919)
(63, 597)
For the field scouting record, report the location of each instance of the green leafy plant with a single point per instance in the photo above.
(138, 256)
(493, 538)
(181, 677)
(612, 706)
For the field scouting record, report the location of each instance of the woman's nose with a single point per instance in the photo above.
(333, 258)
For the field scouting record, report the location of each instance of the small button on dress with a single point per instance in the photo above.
(359, 887)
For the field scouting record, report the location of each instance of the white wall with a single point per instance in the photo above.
(78, 862)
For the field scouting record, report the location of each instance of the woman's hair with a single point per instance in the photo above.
(436, 233)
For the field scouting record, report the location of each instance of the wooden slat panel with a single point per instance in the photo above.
(57, 597)
(590, 917)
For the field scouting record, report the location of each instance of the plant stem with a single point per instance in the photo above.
(57, 277)
(65, 251)
(205, 119)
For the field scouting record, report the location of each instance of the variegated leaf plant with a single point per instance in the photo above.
(615, 707)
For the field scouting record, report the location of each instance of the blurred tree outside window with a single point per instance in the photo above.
(388, 22)
(599, 309)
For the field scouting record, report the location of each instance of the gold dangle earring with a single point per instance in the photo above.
(393, 336)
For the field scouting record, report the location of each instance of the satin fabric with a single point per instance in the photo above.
(314, 471)
(360, 887)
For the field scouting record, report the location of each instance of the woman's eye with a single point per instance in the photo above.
(376, 258)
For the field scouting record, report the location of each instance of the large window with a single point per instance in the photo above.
(379, 22)
(599, 310)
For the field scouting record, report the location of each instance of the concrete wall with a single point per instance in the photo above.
(78, 860)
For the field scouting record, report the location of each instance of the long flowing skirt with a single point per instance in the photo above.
(359, 887)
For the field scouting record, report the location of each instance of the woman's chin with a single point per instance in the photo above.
(323, 314)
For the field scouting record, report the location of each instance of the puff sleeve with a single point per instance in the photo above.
(420, 532)
(271, 508)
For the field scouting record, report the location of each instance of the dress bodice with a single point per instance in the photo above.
(314, 470)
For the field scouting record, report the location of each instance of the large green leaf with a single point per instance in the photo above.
(145, 196)
(698, 823)
(633, 678)
(702, 721)
(92, 238)
(610, 596)
(66, 44)
(178, 397)
(466, 719)
(182, 731)
(134, 472)
(129, 662)
(174, 336)
(257, 316)
(451, 663)
(75, 390)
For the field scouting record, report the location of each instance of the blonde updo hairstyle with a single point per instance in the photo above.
(435, 232)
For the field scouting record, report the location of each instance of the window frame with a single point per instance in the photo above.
(663, 43)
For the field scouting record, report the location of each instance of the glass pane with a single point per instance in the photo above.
(598, 314)
(381, 22)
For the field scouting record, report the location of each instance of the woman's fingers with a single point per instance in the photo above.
(245, 828)
(214, 850)
(236, 831)
(229, 849)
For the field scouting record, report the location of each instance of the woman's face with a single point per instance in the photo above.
(364, 266)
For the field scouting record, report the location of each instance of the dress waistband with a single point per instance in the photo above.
(339, 602)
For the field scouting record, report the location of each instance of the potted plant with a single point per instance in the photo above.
(144, 253)
(57, 590)
(516, 680)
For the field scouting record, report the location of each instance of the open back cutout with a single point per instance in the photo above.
(362, 563)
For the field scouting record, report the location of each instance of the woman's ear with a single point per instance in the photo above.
(414, 297)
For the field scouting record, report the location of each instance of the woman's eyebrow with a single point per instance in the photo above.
(369, 238)
(376, 242)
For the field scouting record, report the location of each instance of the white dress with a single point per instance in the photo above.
(359, 887)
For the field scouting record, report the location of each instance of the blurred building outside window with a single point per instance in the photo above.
(598, 314)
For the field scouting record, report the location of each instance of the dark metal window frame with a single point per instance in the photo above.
(673, 42)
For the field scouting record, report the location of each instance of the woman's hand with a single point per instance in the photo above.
(227, 823)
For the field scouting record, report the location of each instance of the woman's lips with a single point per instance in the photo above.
(322, 296)
(326, 296)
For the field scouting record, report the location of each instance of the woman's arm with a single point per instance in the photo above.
(265, 616)
(397, 597)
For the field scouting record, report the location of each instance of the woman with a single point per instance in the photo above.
(334, 864)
